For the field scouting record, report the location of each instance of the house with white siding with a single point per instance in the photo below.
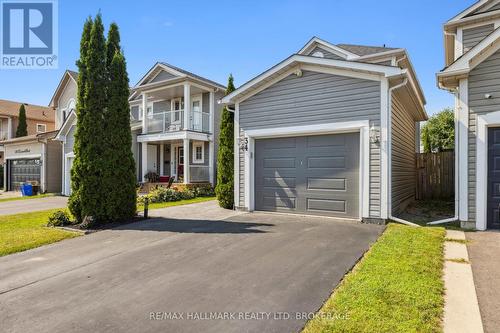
(175, 120)
(472, 74)
(331, 130)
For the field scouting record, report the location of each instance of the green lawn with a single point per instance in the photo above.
(158, 205)
(25, 231)
(27, 198)
(396, 287)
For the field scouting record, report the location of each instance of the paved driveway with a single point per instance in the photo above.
(247, 264)
(484, 250)
(32, 205)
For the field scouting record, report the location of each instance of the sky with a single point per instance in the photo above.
(245, 38)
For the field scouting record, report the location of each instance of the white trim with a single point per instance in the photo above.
(236, 149)
(315, 41)
(197, 144)
(211, 172)
(44, 128)
(384, 149)
(178, 135)
(468, 11)
(464, 64)
(211, 101)
(361, 126)
(187, 176)
(463, 155)
(197, 98)
(295, 60)
(162, 159)
(187, 105)
(381, 54)
(483, 123)
(459, 48)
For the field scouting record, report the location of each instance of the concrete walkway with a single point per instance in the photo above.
(32, 205)
(461, 309)
(484, 251)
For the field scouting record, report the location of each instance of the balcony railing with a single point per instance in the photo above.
(171, 121)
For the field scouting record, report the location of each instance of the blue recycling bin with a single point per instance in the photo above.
(27, 190)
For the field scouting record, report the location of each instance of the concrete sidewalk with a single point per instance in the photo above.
(32, 205)
(461, 309)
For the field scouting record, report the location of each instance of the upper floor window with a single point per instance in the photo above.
(41, 128)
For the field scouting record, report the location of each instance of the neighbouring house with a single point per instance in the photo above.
(472, 74)
(177, 137)
(331, 130)
(40, 119)
(33, 157)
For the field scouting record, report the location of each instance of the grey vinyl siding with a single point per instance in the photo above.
(162, 76)
(68, 94)
(326, 54)
(484, 79)
(70, 140)
(495, 7)
(53, 160)
(161, 106)
(403, 156)
(471, 37)
(316, 98)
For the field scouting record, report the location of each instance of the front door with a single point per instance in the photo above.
(179, 162)
(493, 178)
(152, 158)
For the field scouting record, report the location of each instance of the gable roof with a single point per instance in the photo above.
(298, 59)
(66, 126)
(68, 75)
(316, 41)
(35, 112)
(468, 61)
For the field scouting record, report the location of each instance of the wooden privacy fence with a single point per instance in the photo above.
(435, 175)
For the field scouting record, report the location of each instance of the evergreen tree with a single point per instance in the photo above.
(120, 165)
(90, 127)
(22, 127)
(225, 156)
(77, 171)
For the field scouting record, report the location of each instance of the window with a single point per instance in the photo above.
(177, 107)
(41, 128)
(198, 152)
(318, 54)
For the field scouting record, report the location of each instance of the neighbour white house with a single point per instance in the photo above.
(175, 124)
(332, 130)
(175, 121)
(472, 74)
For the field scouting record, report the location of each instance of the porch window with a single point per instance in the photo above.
(198, 152)
(41, 128)
(177, 106)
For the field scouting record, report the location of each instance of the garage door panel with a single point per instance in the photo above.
(323, 178)
(326, 205)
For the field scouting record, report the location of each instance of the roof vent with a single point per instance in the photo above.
(318, 54)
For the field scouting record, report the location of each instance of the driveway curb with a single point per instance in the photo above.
(461, 309)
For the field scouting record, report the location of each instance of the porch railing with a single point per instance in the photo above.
(171, 121)
(199, 173)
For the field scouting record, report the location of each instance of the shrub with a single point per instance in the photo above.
(161, 194)
(58, 219)
(225, 195)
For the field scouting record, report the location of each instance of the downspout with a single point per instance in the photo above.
(43, 187)
(389, 154)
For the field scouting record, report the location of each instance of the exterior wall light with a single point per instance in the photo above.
(243, 143)
(374, 135)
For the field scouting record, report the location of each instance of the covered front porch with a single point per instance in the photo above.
(187, 158)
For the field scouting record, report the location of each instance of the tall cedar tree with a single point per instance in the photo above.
(120, 165)
(22, 127)
(90, 129)
(225, 156)
(77, 171)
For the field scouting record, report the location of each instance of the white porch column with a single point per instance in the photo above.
(211, 168)
(144, 160)
(9, 128)
(144, 114)
(162, 159)
(187, 177)
(211, 109)
(187, 105)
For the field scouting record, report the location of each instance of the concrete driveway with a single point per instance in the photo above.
(169, 275)
(32, 205)
(484, 248)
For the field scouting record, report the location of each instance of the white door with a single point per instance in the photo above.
(69, 165)
(152, 158)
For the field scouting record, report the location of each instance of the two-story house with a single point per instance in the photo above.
(175, 121)
(32, 158)
(40, 119)
(472, 74)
